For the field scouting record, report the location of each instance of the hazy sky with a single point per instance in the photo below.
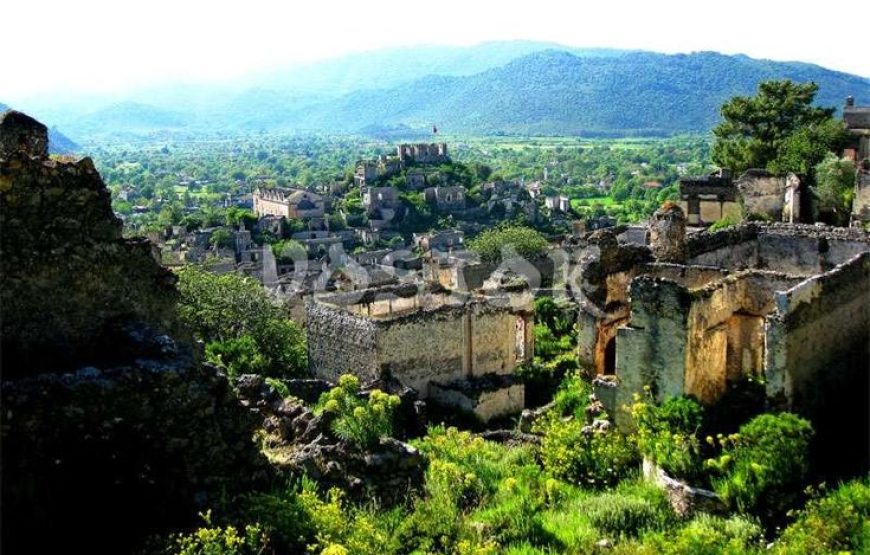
(104, 46)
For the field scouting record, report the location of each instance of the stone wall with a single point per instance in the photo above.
(110, 429)
(762, 193)
(430, 341)
(68, 275)
(819, 322)
(340, 343)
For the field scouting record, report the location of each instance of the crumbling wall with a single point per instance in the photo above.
(651, 350)
(424, 347)
(68, 275)
(725, 319)
(110, 429)
(819, 326)
(762, 193)
(340, 343)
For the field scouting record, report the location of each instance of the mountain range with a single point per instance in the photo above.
(511, 87)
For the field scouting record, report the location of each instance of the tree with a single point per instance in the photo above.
(775, 129)
(835, 182)
(491, 244)
(221, 238)
(243, 330)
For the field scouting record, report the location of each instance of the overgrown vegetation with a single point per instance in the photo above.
(361, 422)
(243, 330)
(494, 244)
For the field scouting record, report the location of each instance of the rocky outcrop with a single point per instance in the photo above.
(111, 430)
(300, 441)
(69, 277)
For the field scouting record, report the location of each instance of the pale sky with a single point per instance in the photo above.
(71, 46)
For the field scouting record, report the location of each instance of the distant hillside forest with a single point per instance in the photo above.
(502, 89)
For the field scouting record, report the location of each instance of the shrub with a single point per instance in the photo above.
(572, 397)
(360, 423)
(592, 459)
(707, 535)
(214, 540)
(487, 461)
(836, 523)
(514, 514)
(616, 515)
(339, 527)
(763, 464)
(666, 433)
(492, 244)
(245, 331)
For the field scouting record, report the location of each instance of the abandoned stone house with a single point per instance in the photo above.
(288, 203)
(857, 119)
(707, 199)
(423, 153)
(783, 303)
(458, 350)
(447, 199)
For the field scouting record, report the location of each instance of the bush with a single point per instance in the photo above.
(594, 459)
(616, 515)
(487, 462)
(214, 540)
(836, 523)
(666, 433)
(492, 244)
(707, 535)
(245, 332)
(764, 464)
(360, 423)
(572, 397)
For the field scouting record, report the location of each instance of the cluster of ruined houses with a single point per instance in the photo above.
(707, 199)
(683, 315)
(665, 305)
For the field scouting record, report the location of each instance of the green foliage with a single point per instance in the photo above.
(359, 422)
(341, 528)
(489, 463)
(492, 244)
(239, 355)
(835, 185)
(237, 320)
(572, 397)
(615, 514)
(725, 222)
(765, 463)
(548, 345)
(222, 238)
(778, 129)
(839, 522)
(214, 540)
(706, 535)
(289, 251)
(667, 433)
(595, 459)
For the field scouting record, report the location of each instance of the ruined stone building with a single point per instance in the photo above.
(447, 199)
(707, 199)
(423, 153)
(288, 203)
(453, 349)
(788, 304)
(857, 119)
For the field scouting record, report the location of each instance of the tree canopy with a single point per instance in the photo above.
(492, 243)
(244, 332)
(778, 129)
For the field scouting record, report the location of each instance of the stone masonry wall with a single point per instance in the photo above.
(340, 343)
(819, 322)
